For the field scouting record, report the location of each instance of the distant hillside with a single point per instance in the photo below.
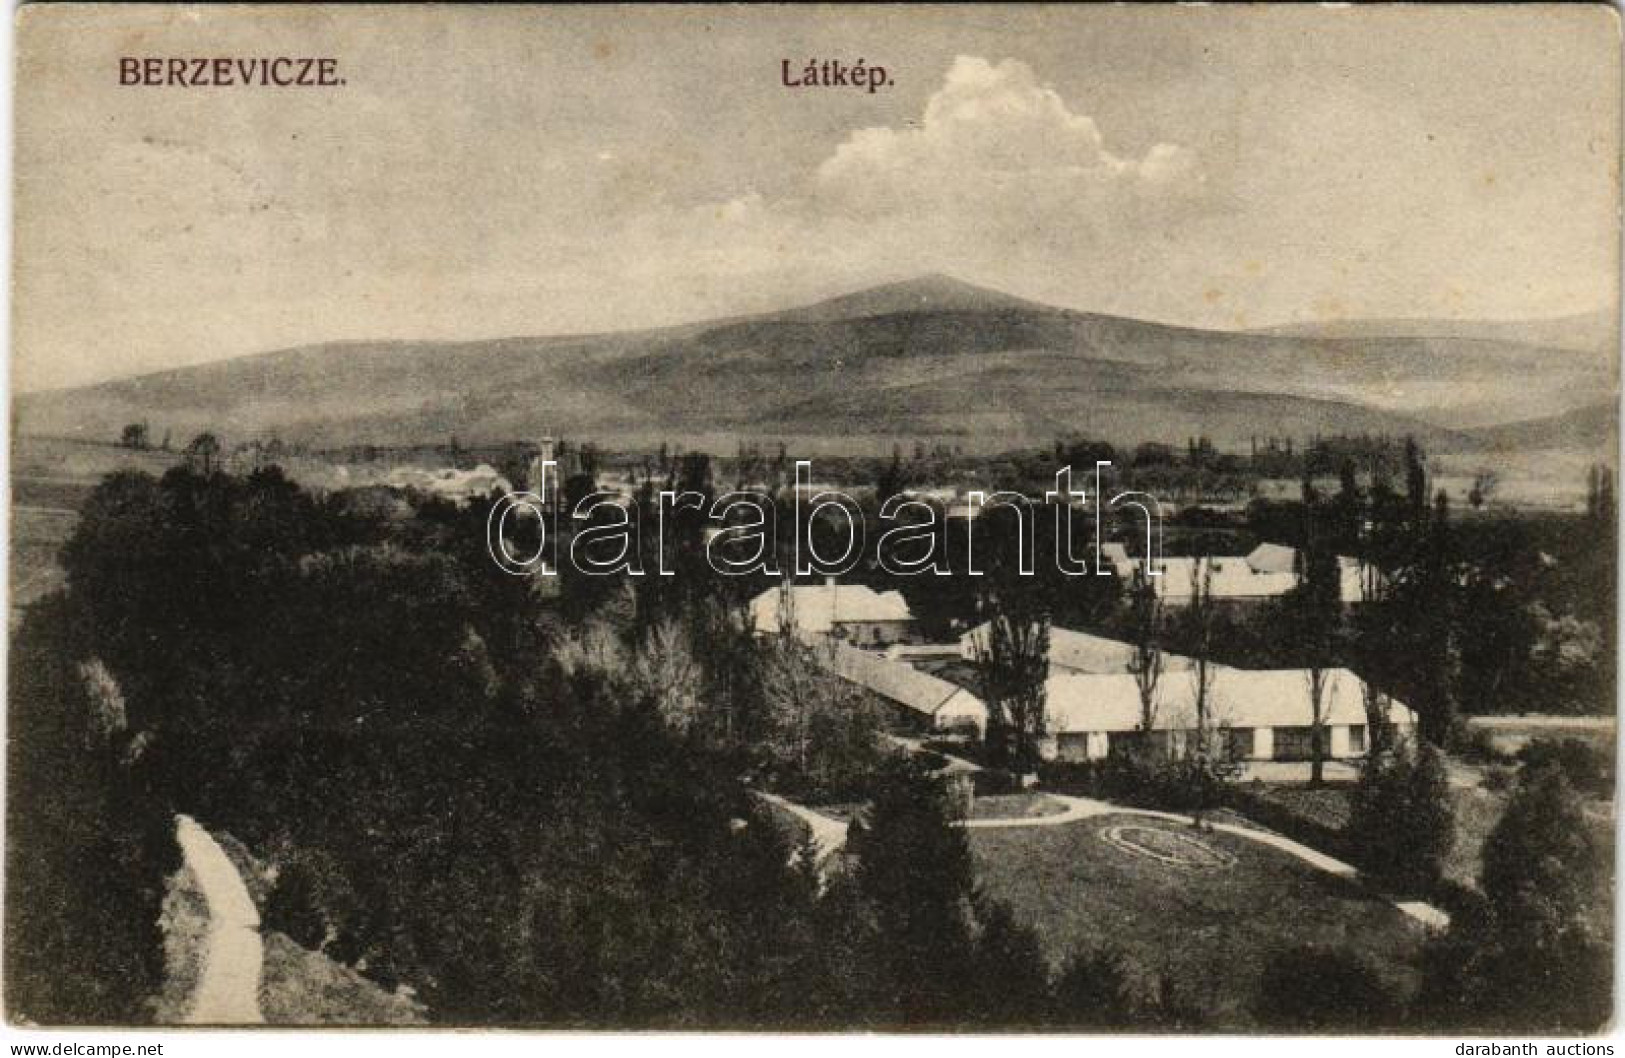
(1585, 332)
(931, 358)
(1595, 427)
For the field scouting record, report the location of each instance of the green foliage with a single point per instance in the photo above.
(1095, 990)
(1401, 821)
(1588, 767)
(820, 739)
(1013, 662)
(312, 902)
(1314, 989)
(915, 869)
(88, 848)
(1011, 978)
(375, 707)
(1536, 954)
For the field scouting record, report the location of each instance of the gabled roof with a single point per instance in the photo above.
(1268, 571)
(483, 480)
(820, 607)
(1273, 558)
(1076, 651)
(1240, 698)
(894, 680)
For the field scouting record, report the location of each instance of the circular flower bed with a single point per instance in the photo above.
(1171, 847)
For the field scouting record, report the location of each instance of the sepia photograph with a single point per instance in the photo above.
(1043, 519)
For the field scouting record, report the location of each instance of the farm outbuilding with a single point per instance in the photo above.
(921, 700)
(1267, 715)
(854, 613)
(1071, 651)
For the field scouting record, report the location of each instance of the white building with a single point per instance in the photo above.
(1267, 572)
(922, 698)
(1267, 714)
(458, 486)
(1074, 652)
(854, 613)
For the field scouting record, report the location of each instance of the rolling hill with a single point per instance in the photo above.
(1595, 426)
(1585, 332)
(928, 358)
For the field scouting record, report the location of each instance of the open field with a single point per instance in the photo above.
(71, 461)
(37, 534)
(1015, 806)
(50, 480)
(1210, 928)
(1512, 733)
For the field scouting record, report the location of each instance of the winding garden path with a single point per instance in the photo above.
(1084, 807)
(228, 984)
(828, 834)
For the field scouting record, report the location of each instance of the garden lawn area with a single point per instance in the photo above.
(1210, 930)
(1015, 806)
(1477, 811)
(1326, 805)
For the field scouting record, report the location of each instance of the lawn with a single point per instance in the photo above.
(1326, 805)
(1015, 806)
(36, 538)
(1211, 927)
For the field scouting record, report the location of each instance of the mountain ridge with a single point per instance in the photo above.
(922, 358)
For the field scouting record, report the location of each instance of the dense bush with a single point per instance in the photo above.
(1589, 768)
(88, 848)
(1535, 952)
(1401, 824)
(1318, 990)
(313, 903)
(376, 711)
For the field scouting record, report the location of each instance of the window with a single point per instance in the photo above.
(1072, 745)
(1239, 742)
(1356, 739)
(1293, 743)
(1123, 742)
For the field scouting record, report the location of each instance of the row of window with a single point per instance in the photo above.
(1288, 743)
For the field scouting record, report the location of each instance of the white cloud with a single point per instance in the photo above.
(999, 179)
(991, 135)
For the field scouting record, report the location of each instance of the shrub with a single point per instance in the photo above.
(1311, 988)
(311, 901)
(1095, 990)
(1402, 825)
(88, 848)
(1498, 778)
(1587, 767)
(1479, 745)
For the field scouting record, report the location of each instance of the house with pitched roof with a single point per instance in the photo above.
(854, 613)
(1266, 572)
(1266, 715)
(1074, 652)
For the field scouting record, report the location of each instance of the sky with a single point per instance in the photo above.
(505, 171)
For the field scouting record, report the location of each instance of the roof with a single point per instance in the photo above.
(1240, 698)
(1077, 651)
(1266, 572)
(820, 607)
(483, 480)
(894, 680)
(1273, 558)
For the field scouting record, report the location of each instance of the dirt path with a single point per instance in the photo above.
(228, 987)
(828, 834)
